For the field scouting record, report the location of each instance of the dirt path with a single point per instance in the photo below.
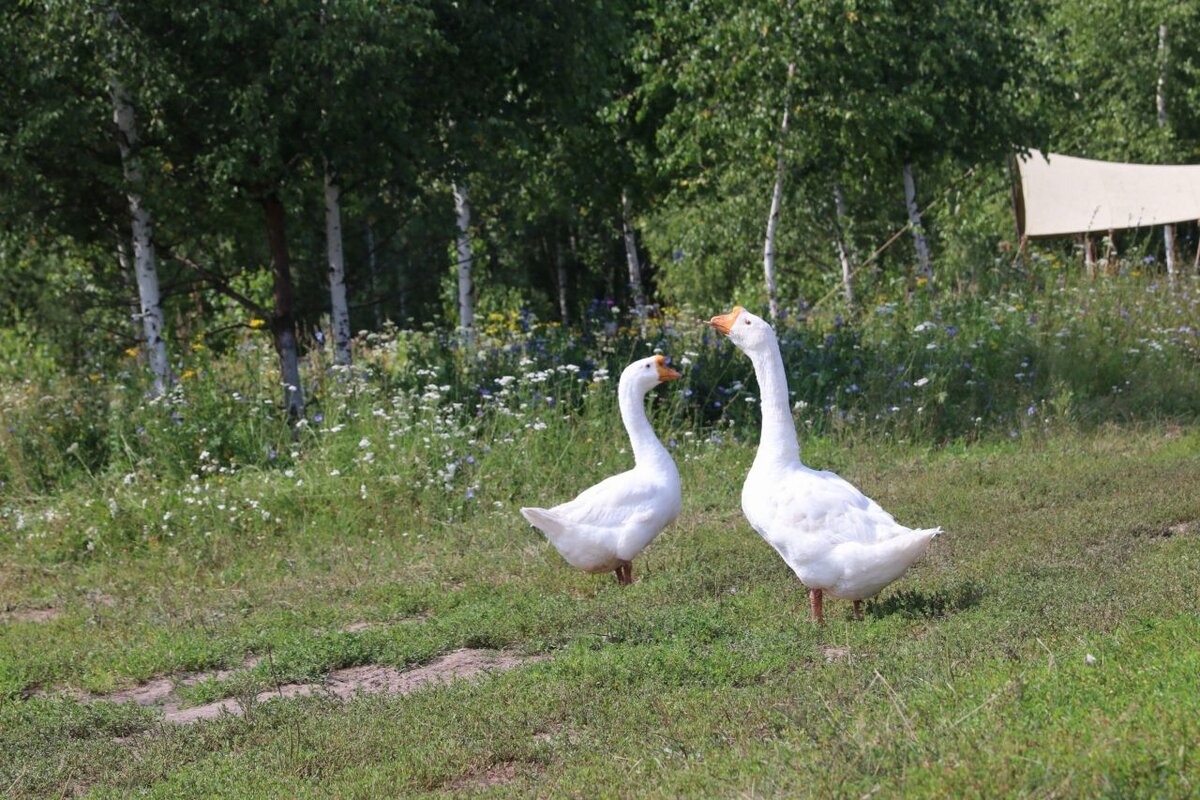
(343, 684)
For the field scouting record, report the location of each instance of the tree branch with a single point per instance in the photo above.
(221, 285)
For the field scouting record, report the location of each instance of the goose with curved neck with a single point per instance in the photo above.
(608, 524)
(837, 540)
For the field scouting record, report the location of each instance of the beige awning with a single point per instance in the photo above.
(1063, 195)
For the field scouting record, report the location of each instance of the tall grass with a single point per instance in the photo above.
(436, 416)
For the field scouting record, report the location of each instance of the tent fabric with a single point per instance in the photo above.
(1061, 195)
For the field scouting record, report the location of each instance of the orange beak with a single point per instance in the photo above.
(665, 373)
(724, 323)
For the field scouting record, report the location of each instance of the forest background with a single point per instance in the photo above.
(460, 187)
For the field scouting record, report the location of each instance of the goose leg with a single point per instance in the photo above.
(624, 574)
(858, 615)
(815, 601)
(629, 574)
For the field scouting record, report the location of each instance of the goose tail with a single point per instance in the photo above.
(544, 520)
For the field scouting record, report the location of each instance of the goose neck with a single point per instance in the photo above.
(778, 439)
(647, 448)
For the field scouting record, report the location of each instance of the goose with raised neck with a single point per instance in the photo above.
(608, 524)
(837, 540)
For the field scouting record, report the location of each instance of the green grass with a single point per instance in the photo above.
(970, 677)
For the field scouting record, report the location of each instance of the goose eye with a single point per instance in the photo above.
(747, 322)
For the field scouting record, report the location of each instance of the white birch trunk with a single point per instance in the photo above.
(560, 264)
(635, 264)
(1160, 101)
(466, 300)
(924, 266)
(131, 294)
(144, 266)
(839, 203)
(777, 203)
(1160, 95)
(340, 311)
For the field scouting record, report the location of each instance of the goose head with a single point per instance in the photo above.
(646, 373)
(751, 333)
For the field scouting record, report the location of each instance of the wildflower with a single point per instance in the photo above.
(257, 323)
(1030, 411)
(364, 443)
(132, 352)
(920, 382)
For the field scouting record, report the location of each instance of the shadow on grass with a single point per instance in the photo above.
(926, 605)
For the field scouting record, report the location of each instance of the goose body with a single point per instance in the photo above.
(835, 538)
(608, 524)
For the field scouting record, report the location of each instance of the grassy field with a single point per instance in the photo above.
(1048, 645)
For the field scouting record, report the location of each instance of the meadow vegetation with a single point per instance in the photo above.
(1046, 645)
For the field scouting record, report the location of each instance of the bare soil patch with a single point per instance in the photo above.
(31, 615)
(342, 683)
(495, 775)
(833, 654)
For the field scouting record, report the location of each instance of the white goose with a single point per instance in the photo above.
(835, 538)
(608, 524)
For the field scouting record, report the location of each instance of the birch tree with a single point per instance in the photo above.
(465, 260)
(340, 311)
(1160, 103)
(777, 200)
(144, 265)
(629, 235)
(841, 215)
(924, 265)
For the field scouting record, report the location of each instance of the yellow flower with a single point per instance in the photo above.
(187, 373)
(922, 280)
(132, 352)
(95, 376)
(256, 323)
(197, 347)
